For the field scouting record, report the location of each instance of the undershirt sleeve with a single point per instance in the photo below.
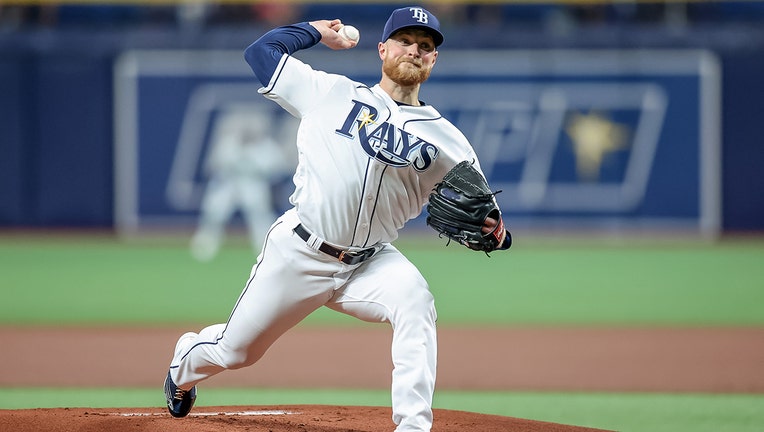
(264, 55)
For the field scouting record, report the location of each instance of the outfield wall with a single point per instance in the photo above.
(682, 102)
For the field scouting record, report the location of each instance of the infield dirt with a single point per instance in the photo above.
(710, 360)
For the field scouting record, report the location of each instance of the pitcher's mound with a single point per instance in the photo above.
(296, 418)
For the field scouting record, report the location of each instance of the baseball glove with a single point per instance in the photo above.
(459, 205)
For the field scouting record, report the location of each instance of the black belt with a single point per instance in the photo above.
(341, 255)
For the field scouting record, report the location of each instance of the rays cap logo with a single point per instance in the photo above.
(413, 17)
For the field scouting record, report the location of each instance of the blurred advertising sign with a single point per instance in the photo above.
(603, 140)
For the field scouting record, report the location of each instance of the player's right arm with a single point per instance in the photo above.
(265, 53)
(286, 80)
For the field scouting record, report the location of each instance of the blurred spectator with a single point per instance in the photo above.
(11, 17)
(449, 14)
(587, 14)
(197, 15)
(15, 17)
(277, 13)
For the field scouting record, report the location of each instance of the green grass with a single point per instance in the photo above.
(617, 411)
(81, 280)
(71, 280)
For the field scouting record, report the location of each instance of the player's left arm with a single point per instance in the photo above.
(491, 226)
(496, 228)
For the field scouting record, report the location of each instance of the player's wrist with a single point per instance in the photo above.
(506, 243)
(502, 235)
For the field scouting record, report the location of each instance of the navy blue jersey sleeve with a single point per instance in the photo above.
(265, 53)
(507, 242)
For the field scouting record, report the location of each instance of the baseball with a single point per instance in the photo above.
(350, 33)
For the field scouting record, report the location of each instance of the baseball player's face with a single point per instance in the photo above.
(408, 57)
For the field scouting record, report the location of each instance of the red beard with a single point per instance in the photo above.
(405, 75)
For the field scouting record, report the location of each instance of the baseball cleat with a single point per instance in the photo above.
(179, 401)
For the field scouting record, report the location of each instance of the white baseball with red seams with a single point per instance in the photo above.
(350, 33)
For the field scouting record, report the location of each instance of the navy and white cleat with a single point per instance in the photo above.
(179, 402)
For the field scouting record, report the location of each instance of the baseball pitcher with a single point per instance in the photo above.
(370, 158)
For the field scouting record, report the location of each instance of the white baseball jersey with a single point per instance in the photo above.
(358, 185)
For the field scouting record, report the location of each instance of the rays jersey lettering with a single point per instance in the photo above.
(385, 142)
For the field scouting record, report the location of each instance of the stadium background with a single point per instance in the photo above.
(57, 188)
(57, 69)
